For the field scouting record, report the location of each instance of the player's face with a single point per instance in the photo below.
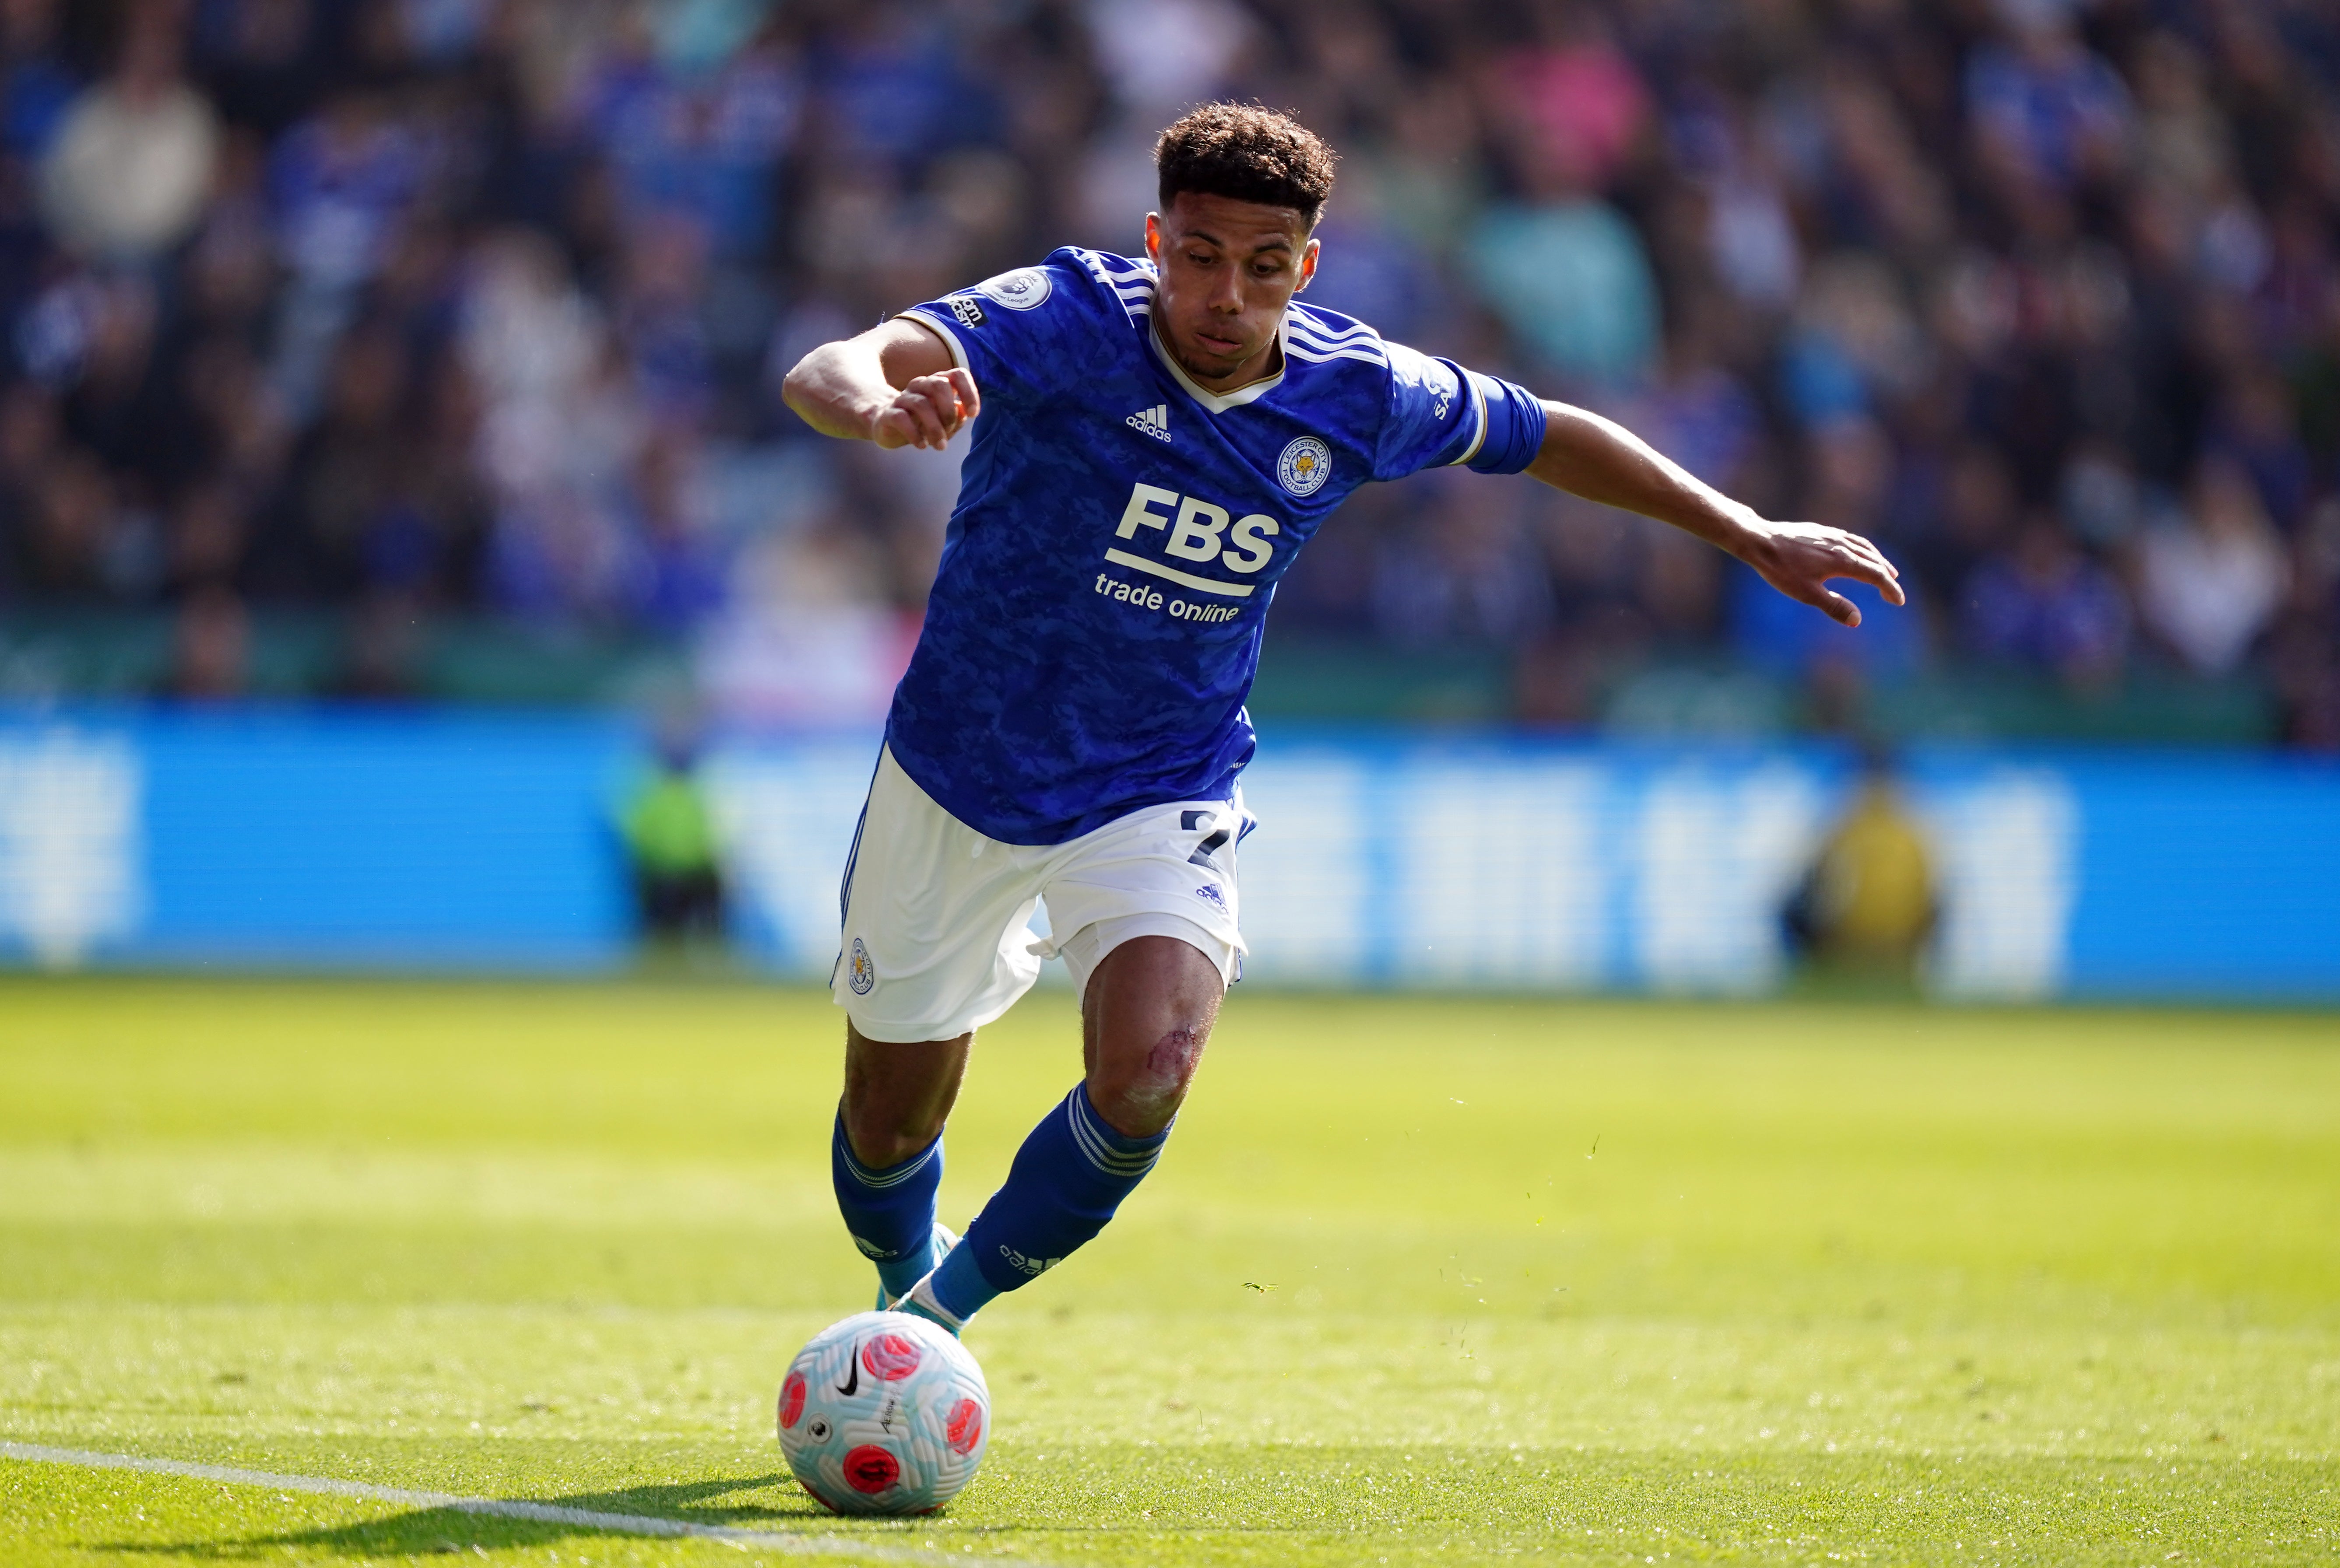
(1228, 269)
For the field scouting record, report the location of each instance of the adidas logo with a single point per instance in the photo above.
(1034, 1266)
(1155, 422)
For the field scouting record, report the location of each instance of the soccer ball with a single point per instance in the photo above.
(884, 1413)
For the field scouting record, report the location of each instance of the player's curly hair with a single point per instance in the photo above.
(1247, 153)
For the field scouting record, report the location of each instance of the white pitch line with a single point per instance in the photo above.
(539, 1513)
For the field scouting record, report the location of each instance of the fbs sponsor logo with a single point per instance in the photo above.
(1197, 531)
(1154, 421)
(861, 973)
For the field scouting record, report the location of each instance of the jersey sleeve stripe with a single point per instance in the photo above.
(1325, 340)
(1334, 345)
(1316, 327)
(1363, 355)
(1313, 341)
(951, 339)
(1322, 319)
(1479, 408)
(1366, 351)
(1114, 284)
(1334, 339)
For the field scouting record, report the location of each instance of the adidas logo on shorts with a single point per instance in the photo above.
(1155, 422)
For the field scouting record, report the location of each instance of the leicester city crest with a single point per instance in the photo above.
(859, 972)
(1018, 290)
(1305, 466)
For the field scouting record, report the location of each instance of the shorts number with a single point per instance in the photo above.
(1190, 820)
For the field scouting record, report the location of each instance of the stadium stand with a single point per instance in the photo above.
(389, 349)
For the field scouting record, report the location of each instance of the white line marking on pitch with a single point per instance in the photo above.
(539, 1513)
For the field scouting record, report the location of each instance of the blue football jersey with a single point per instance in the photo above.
(1096, 621)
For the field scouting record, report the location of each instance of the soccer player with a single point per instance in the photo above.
(1154, 442)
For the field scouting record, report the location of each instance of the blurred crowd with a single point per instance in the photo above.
(412, 308)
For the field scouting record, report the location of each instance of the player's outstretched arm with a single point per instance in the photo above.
(895, 385)
(1587, 455)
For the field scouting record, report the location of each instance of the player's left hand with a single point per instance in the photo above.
(1800, 558)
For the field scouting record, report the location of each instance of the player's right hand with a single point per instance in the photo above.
(928, 411)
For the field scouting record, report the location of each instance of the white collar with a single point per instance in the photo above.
(1219, 402)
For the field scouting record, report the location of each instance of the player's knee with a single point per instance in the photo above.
(883, 1137)
(885, 1129)
(897, 1096)
(1138, 1094)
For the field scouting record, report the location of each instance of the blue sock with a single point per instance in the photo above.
(1069, 1177)
(890, 1212)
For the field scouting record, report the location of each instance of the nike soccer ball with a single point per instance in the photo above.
(884, 1413)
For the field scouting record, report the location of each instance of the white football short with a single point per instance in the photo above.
(936, 937)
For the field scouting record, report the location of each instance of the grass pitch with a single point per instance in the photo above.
(1418, 1282)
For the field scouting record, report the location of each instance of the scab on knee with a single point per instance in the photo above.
(1142, 1102)
(1170, 1065)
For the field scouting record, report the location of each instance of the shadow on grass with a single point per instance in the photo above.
(422, 1531)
